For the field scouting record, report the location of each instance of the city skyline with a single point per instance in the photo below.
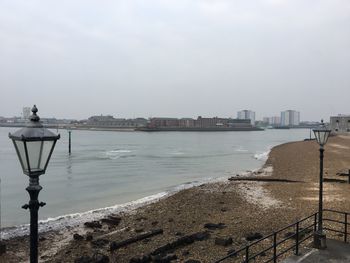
(241, 114)
(232, 114)
(175, 58)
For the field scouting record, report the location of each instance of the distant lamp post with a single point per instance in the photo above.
(321, 135)
(34, 145)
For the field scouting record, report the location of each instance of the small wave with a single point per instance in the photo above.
(177, 153)
(118, 151)
(241, 149)
(128, 156)
(71, 220)
(262, 156)
(116, 154)
(186, 156)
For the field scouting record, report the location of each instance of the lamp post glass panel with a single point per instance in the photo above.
(321, 135)
(34, 145)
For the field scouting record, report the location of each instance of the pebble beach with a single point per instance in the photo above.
(209, 221)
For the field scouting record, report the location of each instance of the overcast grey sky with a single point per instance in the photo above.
(176, 58)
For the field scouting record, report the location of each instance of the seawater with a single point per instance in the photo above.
(111, 171)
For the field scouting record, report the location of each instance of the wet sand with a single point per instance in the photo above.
(242, 207)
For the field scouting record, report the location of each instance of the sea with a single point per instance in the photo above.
(110, 171)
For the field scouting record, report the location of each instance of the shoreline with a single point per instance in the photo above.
(74, 219)
(185, 164)
(242, 207)
(64, 234)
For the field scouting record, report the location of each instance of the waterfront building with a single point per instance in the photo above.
(276, 120)
(49, 120)
(239, 123)
(210, 122)
(290, 118)
(163, 122)
(273, 121)
(186, 122)
(340, 123)
(200, 122)
(109, 121)
(246, 115)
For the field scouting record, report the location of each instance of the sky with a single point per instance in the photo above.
(175, 58)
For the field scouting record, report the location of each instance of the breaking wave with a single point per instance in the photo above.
(262, 156)
(79, 218)
(71, 220)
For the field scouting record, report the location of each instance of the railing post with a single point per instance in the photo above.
(274, 247)
(297, 240)
(315, 222)
(246, 254)
(346, 228)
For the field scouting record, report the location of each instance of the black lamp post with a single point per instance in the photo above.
(321, 135)
(34, 145)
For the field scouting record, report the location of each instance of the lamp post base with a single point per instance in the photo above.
(2, 248)
(320, 240)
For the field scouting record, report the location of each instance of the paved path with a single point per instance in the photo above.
(336, 252)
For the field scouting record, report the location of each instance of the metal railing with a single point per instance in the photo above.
(342, 223)
(303, 230)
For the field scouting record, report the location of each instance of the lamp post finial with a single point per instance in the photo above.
(34, 117)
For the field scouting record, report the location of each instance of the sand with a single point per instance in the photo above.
(243, 207)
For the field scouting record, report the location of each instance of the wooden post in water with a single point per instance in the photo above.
(69, 142)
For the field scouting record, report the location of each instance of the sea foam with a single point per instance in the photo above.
(71, 220)
(262, 156)
(115, 154)
(75, 219)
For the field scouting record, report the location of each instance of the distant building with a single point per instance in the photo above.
(273, 121)
(309, 124)
(210, 122)
(186, 122)
(109, 121)
(26, 113)
(290, 118)
(164, 122)
(340, 123)
(200, 122)
(49, 120)
(246, 115)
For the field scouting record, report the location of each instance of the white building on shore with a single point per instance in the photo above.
(247, 115)
(340, 123)
(290, 118)
(273, 121)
